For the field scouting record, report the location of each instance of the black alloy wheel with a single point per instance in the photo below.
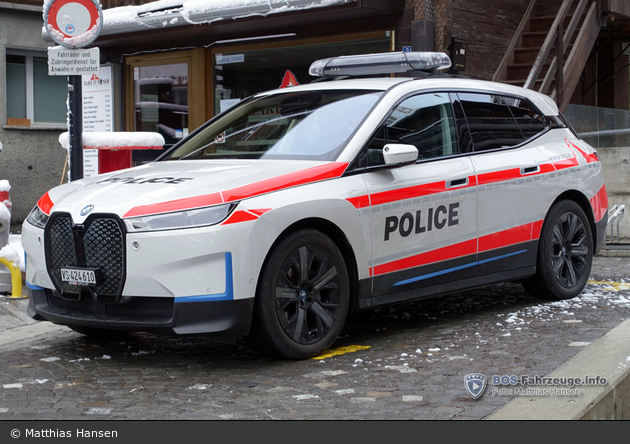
(565, 254)
(570, 253)
(303, 297)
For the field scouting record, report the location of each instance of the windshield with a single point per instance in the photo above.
(312, 125)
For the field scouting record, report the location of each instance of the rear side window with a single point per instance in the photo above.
(496, 121)
(490, 121)
(529, 119)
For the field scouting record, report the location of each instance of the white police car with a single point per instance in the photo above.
(279, 216)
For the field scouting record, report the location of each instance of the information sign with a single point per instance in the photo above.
(72, 62)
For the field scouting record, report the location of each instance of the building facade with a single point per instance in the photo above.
(176, 64)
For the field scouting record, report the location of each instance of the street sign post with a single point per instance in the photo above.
(73, 24)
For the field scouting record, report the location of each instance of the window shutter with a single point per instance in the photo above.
(16, 90)
(49, 93)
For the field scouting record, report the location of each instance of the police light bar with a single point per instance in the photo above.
(382, 63)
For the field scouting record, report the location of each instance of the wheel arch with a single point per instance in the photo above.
(337, 235)
(579, 198)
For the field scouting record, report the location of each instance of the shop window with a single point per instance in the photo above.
(32, 96)
(161, 100)
(240, 72)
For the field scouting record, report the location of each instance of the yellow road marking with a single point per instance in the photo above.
(342, 351)
(612, 286)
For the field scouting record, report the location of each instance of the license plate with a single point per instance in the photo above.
(78, 276)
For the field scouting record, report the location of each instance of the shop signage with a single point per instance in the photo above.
(227, 59)
(97, 112)
(289, 79)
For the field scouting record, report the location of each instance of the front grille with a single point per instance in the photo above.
(62, 252)
(97, 244)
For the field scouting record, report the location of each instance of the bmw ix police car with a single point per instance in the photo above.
(277, 217)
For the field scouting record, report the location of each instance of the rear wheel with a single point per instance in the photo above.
(565, 254)
(302, 298)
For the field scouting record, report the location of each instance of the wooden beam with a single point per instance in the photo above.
(547, 45)
(580, 53)
(501, 72)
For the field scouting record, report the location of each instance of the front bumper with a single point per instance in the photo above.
(226, 319)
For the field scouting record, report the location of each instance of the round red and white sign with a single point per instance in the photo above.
(73, 23)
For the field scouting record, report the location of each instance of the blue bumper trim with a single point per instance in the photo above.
(227, 295)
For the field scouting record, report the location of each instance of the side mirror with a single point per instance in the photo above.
(398, 153)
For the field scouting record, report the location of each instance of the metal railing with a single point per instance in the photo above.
(615, 214)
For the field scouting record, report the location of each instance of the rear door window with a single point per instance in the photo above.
(496, 121)
(490, 121)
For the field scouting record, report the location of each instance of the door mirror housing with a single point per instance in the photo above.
(399, 154)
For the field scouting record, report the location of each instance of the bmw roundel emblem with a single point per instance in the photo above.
(87, 210)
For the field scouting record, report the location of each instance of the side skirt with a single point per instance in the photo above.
(446, 288)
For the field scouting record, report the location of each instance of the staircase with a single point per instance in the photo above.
(551, 46)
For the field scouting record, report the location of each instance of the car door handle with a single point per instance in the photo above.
(457, 182)
(530, 170)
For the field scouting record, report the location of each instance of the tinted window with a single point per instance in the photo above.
(529, 119)
(425, 121)
(491, 123)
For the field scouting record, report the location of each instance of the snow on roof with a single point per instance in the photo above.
(164, 13)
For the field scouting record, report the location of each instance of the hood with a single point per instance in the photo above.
(162, 187)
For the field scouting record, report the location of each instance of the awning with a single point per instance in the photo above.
(164, 14)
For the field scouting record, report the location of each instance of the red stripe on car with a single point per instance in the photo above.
(176, 205)
(599, 202)
(451, 252)
(239, 216)
(45, 203)
(296, 178)
(505, 238)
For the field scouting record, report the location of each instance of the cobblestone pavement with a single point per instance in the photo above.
(414, 367)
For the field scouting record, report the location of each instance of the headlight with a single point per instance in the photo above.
(182, 219)
(37, 218)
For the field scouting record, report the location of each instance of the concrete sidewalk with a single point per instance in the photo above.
(609, 356)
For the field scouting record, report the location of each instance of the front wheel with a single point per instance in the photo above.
(302, 297)
(565, 254)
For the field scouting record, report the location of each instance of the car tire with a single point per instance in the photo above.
(302, 297)
(565, 254)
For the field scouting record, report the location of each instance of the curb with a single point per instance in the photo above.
(609, 357)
